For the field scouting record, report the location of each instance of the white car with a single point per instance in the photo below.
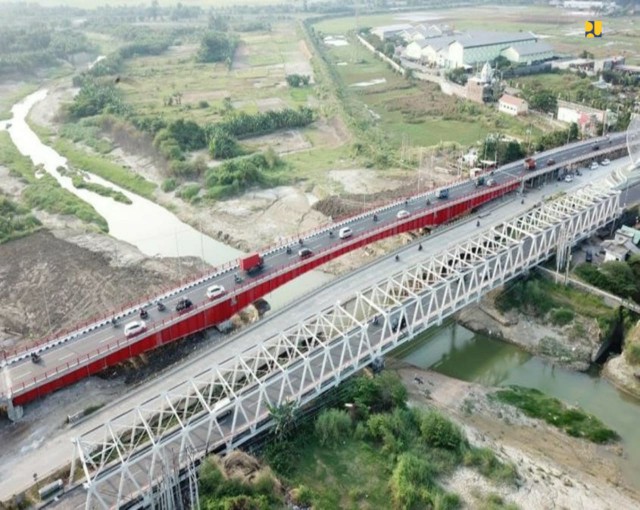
(345, 232)
(594, 165)
(605, 162)
(568, 178)
(402, 214)
(215, 291)
(134, 328)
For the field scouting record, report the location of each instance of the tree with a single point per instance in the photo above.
(223, 146)
(284, 416)
(216, 47)
(543, 100)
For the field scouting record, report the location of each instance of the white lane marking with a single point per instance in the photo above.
(19, 375)
(67, 356)
(106, 339)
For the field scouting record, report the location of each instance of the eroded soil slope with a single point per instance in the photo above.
(47, 283)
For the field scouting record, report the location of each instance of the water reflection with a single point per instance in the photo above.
(457, 352)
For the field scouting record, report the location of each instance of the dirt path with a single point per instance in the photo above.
(556, 471)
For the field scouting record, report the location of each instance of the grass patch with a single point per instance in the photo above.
(88, 133)
(108, 170)
(539, 296)
(15, 220)
(47, 195)
(572, 421)
(44, 192)
(488, 465)
(101, 190)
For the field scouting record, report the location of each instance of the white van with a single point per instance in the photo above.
(345, 232)
(134, 328)
(402, 214)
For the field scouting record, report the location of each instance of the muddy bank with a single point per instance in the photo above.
(561, 344)
(556, 471)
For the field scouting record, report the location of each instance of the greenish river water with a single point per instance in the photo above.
(455, 351)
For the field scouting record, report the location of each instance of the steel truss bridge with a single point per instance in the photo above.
(93, 348)
(223, 407)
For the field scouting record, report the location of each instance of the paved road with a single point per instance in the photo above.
(55, 451)
(20, 371)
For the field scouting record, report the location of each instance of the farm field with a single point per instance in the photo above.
(416, 113)
(255, 82)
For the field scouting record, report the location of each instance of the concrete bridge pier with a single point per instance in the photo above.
(14, 413)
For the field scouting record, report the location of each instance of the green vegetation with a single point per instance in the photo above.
(562, 316)
(29, 47)
(236, 175)
(224, 146)
(619, 278)
(80, 183)
(538, 297)
(632, 346)
(217, 47)
(242, 124)
(572, 421)
(15, 220)
(381, 454)
(44, 192)
(221, 488)
(298, 80)
(106, 169)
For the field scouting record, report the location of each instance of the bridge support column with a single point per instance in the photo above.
(14, 413)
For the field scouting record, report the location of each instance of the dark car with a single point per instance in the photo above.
(304, 253)
(183, 304)
(551, 162)
(588, 256)
(595, 147)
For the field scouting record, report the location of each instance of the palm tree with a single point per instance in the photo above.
(285, 415)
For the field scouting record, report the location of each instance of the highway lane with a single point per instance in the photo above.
(21, 371)
(16, 469)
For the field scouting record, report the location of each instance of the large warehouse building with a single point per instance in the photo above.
(470, 48)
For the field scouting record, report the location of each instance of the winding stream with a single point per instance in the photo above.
(154, 230)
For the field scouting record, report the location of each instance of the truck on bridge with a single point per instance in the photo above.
(252, 263)
(529, 164)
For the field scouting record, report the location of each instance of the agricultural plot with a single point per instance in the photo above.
(415, 113)
(255, 81)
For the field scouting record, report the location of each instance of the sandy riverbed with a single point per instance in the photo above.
(556, 471)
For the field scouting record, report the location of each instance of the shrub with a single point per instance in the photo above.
(223, 146)
(188, 192)
(381, 393)
(169, 185)
(562, 316)
(438, 431)
(632, 353)
(332, 425)
(203, 104)
(488, 465)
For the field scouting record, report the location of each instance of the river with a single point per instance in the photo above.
(154, 230)
(457, 352)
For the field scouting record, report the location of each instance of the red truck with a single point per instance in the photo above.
(529, 164)
(252, 263)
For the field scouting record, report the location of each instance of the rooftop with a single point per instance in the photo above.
(531, 48)
(475, 38)
(512, 100)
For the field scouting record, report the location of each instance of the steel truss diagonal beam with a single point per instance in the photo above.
(224, 406)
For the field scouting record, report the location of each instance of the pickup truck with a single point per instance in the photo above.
(252, 263)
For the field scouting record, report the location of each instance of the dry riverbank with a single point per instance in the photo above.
(556, 471)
